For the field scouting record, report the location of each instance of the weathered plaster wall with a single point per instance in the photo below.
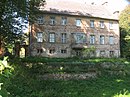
(71, 28)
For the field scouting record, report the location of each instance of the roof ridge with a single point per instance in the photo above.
(76, 8)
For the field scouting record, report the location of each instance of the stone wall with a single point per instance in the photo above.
(70, 29)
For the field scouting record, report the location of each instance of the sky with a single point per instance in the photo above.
(116, 5)
(113, 5)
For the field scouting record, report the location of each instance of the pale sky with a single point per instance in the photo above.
(114, 5)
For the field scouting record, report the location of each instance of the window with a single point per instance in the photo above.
(111, 53)
(102, 39)
(92, 23)
(52, 20)
(80, 38)
(92, 39)
(102, 53)
(63, 21)
(51, 37)
(40, 20)
(78, 22)
(39, 50)
(111, 40)
(63, 37)
(101, 24)
(63, 51)
(52, 51)
(111, 25)
(39, 37)
(78, 52)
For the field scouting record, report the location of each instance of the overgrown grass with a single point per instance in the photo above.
(72, 65)
(100, 87)
(45, 59)
(25, 83)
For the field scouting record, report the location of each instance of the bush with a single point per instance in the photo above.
(5, 74)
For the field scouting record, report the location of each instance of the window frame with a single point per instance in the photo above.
(78, 22)
(102, 53)
(110, 25)
(102, 39)
(80, 38)
(40, 20)
(39, 50)
(92, 39)
(51, 37)
(78, 52)
(52, 51)
(63, 37)
(102, 25)
(52, 20)
(92, 23)
(111, 40)
(111, 53)
(63, 20)
(39, 37)
(63, 51)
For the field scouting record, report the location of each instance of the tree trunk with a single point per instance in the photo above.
(1, 50)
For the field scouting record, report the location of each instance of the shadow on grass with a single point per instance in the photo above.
(100, 87)
(25, 84)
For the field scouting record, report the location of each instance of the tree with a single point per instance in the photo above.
(124, 22)
(89, 52)
(14, 17)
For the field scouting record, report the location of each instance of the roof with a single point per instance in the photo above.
(75, 8)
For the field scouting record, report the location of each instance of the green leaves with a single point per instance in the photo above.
(124, 23)
(5, 73)
(124, 19)
(14, 16)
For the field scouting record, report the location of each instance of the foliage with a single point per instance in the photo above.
(70, 60)
(23, 80)
(5, 74)
(43, 65)
(24, 83)
(89, 52)
(14, 17)
(124, 22)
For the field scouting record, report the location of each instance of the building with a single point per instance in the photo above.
(64, 29)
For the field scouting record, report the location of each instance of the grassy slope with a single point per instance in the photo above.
(26, 84)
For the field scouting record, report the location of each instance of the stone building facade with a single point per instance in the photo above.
(61, 32)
